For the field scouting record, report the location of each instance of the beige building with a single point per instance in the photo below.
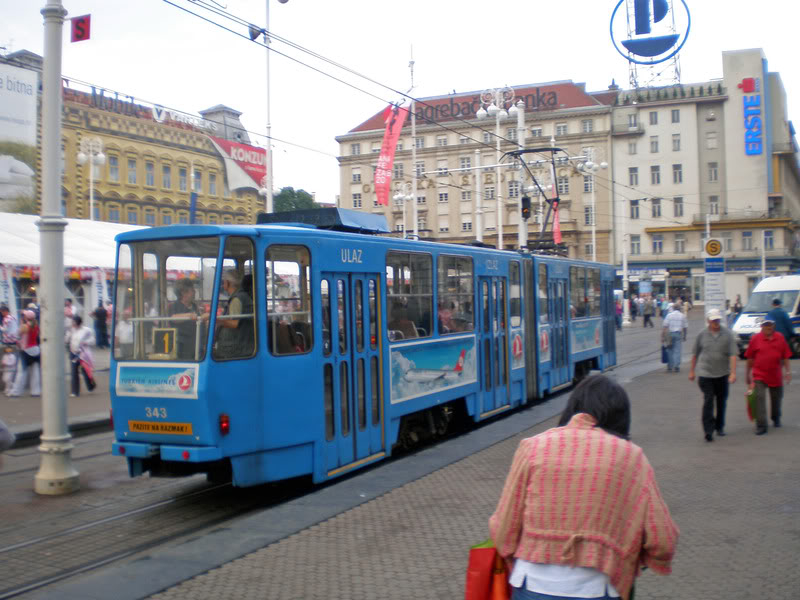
(451, 141)
(717, 155)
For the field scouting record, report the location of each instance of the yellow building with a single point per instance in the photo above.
(147, 174)
(154, 158)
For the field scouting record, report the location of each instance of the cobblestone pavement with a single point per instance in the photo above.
(736, 501)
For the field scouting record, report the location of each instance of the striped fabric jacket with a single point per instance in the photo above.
(577, 495)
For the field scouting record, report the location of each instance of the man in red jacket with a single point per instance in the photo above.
(766, 352)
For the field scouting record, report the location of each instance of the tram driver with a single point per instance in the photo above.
(185, 309)
(235, 337)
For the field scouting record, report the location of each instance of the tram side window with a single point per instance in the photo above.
(456, 294)
(594, 291)
(288, 277)
(409, 295)
(515, 295)
(543, 294)
(235, 332)
(577, 285)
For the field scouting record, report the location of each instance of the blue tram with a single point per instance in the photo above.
(261, 353)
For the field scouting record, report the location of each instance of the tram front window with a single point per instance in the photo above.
(163, 296)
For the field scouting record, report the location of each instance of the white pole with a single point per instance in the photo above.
(522, 232)
(91, 187)
(708, 226)
(269, 122)
(594, 222)
(56, 474)
(414, 169)
(478, 199)
(626, 309)
(497, 186)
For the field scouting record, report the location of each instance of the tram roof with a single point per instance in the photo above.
(86, 243)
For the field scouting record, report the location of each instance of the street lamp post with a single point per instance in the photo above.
(522, 231)
(91, 151)
(404, 194)
(56, 474)
(496, 100)
(269, 179)
(266, 191)
(592, 168)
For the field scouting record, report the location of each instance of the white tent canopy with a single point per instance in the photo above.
(86, 243)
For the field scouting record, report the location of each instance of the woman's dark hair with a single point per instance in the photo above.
(603, 399)
(78, 321)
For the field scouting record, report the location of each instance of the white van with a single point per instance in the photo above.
(787, 289)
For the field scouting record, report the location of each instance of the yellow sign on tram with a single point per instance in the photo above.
(159, 427)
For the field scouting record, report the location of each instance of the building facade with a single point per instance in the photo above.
(154, 159)
(451, 142)
(714, 158)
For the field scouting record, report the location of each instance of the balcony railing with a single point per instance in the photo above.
(742, 215)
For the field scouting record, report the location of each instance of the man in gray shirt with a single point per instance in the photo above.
(714, 359)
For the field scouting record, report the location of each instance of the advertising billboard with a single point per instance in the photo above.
(18, 93)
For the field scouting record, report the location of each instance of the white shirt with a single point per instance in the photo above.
(676, 321)
(77, 338)
(562, 580)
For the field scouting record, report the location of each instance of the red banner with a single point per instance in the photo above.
(556, 224)
(394, 117)
(251, 160)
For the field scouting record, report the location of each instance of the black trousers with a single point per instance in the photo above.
(715, 395)
(75, 379)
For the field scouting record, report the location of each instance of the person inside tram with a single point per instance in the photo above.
(185, 308)
(399, 321)
(235, 336)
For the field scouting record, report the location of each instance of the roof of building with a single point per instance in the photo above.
(86, 243)
(538, 97)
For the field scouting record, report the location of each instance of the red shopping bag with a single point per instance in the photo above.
(487, 577)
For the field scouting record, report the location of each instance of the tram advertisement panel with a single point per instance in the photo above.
(176, 380)
(421, 369)
(545, 347)
(586, 335)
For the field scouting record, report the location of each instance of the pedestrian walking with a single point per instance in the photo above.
(9, 368)
(570, 528)
(714, 364)
(618, 314)
(634, 308)
(648, 311)
(100, 317)
(765, 354)
(674, 329)
(79, 338)
(783, 324)
(28, 357)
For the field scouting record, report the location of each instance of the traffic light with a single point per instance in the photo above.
(526, 207)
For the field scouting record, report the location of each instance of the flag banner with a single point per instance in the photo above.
(7, 294)
(394, 117)
(556, 224)
(192, 207)
(99, 291)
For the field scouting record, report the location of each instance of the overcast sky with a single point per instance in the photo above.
(161, 54)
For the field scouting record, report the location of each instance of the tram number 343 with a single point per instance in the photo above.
(155, 412)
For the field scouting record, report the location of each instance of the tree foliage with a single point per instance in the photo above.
(291, 199)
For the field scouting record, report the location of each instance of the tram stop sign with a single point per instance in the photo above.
(713, 247)
(81, 28)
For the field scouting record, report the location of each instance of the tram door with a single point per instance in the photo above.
(353, 388)
(558, 311)
(493, 325)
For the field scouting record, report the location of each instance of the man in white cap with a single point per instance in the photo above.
(714, 362)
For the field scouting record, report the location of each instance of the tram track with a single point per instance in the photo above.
(42, 559)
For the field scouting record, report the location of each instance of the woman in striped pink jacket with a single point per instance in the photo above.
(581, 511)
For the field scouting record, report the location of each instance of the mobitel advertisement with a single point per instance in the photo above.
(18, 89)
